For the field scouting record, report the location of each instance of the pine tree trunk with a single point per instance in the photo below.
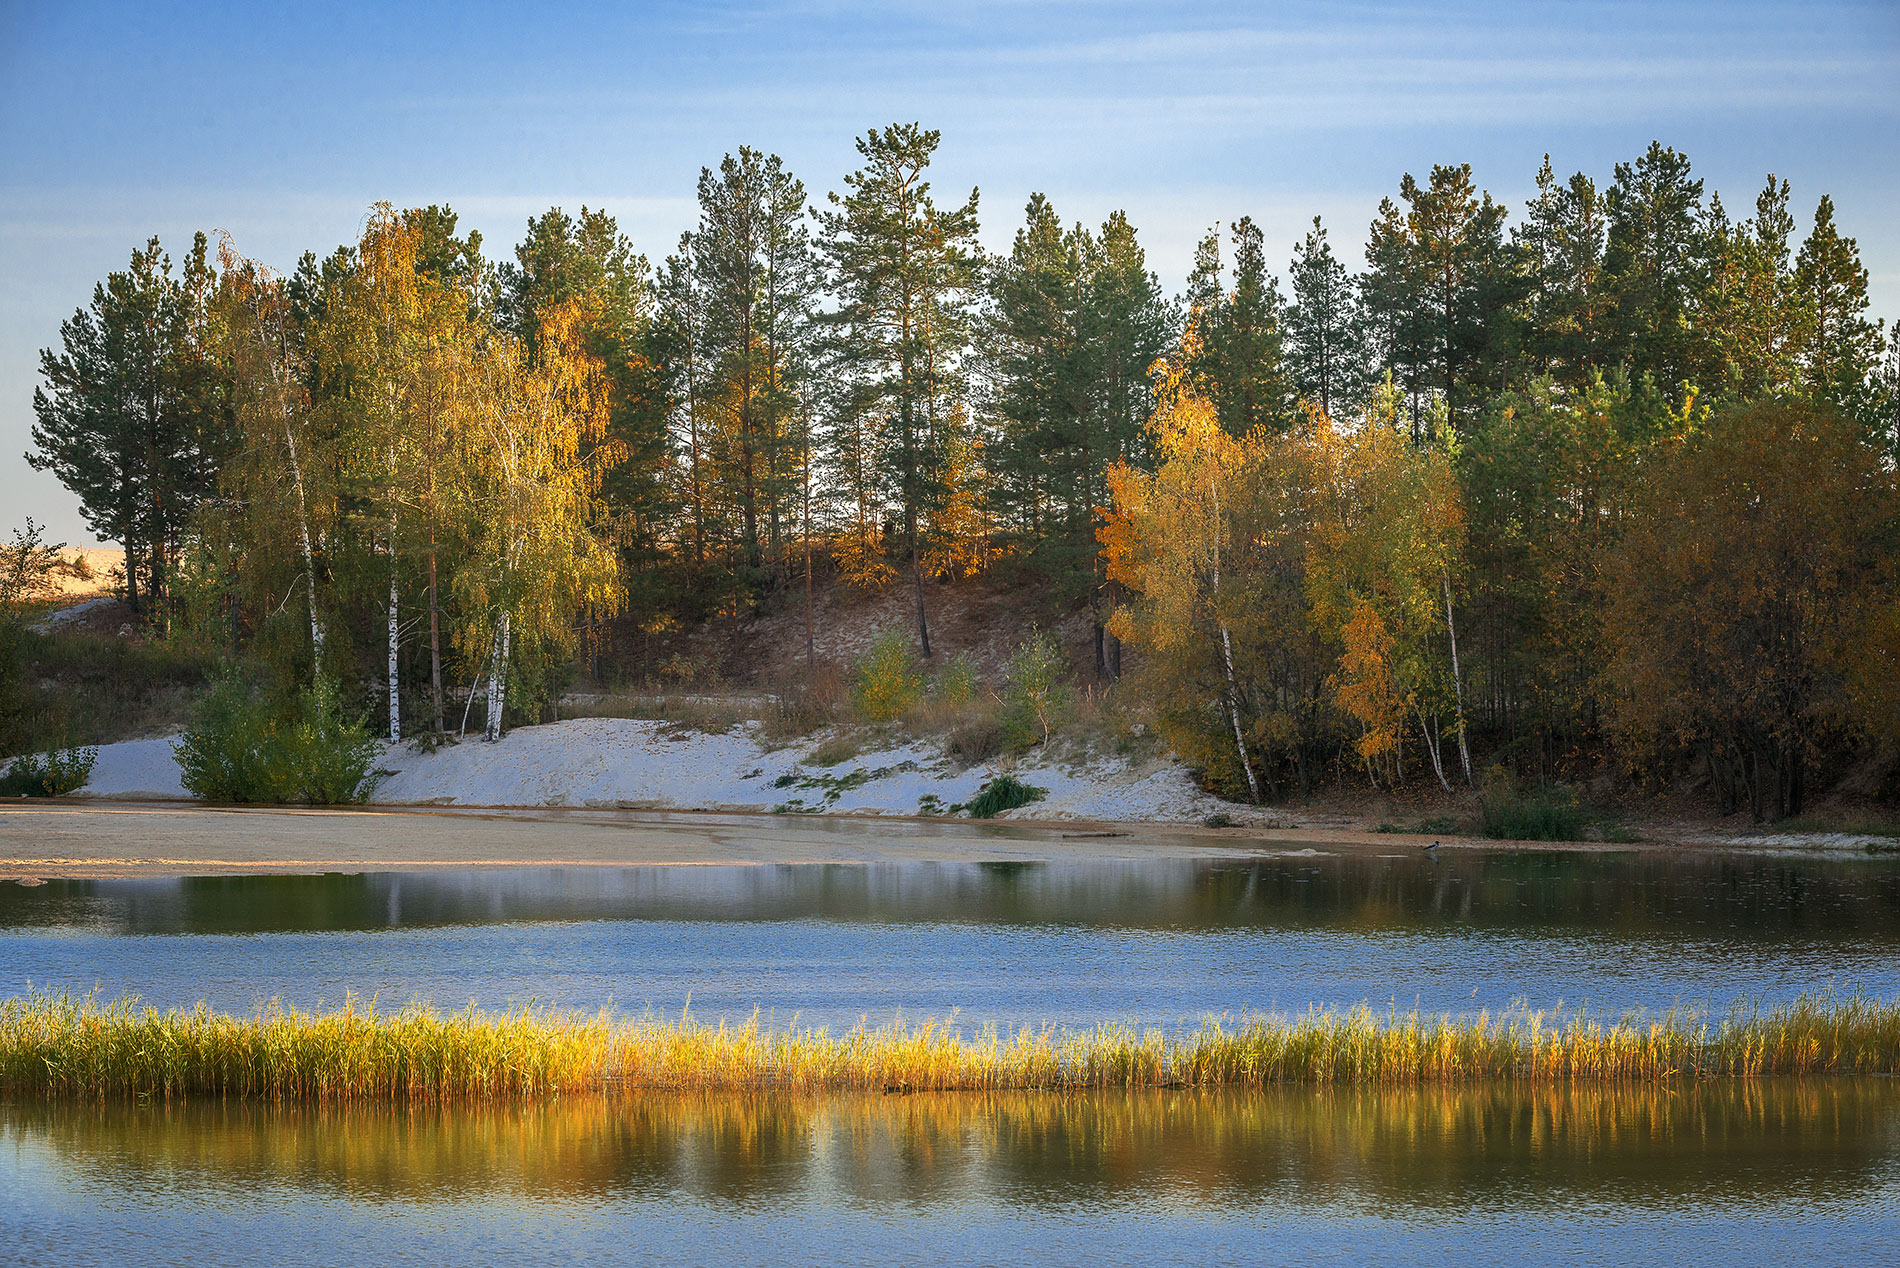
(811, 658)
(131, 573)
(923, 623)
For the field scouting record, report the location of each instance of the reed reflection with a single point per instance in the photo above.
(1741, 1146)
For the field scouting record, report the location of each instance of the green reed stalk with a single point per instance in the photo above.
(63, 1047)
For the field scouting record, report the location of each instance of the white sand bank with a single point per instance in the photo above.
(620, 763)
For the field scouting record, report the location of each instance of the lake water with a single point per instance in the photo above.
(1163, 943)
(1728, 1173)
(1763, 1173)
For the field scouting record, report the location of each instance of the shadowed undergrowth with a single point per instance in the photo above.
(57, 1046)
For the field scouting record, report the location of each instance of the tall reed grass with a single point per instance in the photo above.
(59, 1046)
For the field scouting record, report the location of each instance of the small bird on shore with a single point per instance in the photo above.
(1432, 846)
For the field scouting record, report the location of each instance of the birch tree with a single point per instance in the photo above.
(537, 460)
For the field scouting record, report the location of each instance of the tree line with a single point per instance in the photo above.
(1375, 515)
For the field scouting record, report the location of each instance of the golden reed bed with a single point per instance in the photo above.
(61, 1047)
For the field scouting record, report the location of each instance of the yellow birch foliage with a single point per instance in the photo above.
(1163, 534)
(1387, 540)
(539, 449)
(1365, 685)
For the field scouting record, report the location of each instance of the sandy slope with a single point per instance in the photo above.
(609, 765)
(618, 763)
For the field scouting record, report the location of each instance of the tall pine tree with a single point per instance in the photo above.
(902, 270)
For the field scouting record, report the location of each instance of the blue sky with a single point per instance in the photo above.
(282, 124)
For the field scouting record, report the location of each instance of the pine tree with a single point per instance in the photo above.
(1840, 351)
(1076, 320)
(1650, 264)
(1323, 338)
(1242, 367)
(757, 280)
(133, 417)
(1560, 246)
(1455, 237)
(1392, 306)
(1760, 328)
(902, 271)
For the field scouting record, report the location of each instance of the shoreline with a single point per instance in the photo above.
(77, 838)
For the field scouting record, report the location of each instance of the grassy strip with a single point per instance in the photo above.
(57, 1046)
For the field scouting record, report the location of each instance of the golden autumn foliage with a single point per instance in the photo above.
(541, 421)
(1387, 540)
(1752, 606)
(1290, 590)
(960, 532)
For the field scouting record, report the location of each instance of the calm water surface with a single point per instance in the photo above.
(1732, 1174)
(1164, 942)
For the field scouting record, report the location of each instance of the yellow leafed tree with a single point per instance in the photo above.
(539, 450)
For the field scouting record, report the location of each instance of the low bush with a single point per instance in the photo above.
(243, 748)
(1034, 694)
(804, 704)
(53, 773)
(975, 737)
(888, 680)
(955, 684)
(1005, 792)
(331, 760)
(1510, 813)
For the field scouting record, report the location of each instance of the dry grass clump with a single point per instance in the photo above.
(807, 703)
(836, 749)
(56, 1046)
(713, 715)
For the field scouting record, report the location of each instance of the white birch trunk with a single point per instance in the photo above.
(309, 558)
(1430, 736)
(1227, 654)
(395, 698)
(1233, 709)
(498, 681)
(1457, 680)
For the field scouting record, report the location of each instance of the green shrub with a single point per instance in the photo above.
(53, 773)
(1034, 694)
(956, 682)
(241, 748)
(1511, 814)
(226, 753)
(889, 680)
(1005, 792)
(328, 759)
